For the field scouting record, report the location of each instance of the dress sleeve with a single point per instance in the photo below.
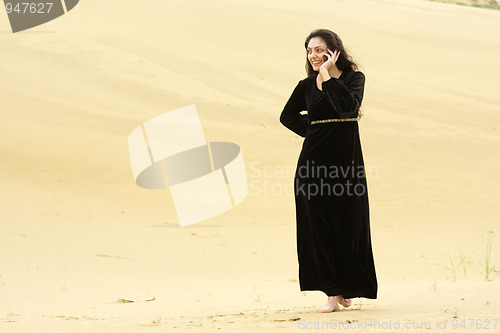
(291, 117)
(345, 98)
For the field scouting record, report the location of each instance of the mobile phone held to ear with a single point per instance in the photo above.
(325, 58)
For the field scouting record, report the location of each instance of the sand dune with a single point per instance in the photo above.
(78, 234)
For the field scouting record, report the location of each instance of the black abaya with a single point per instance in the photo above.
(333, 225)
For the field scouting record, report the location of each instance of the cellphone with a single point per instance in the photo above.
(325, 58)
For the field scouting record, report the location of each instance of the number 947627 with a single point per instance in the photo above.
(29, 7)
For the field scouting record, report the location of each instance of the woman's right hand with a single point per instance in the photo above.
(332, 59)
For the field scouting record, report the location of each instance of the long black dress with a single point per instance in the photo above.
(331, 198)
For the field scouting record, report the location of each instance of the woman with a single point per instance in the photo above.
(331, 198)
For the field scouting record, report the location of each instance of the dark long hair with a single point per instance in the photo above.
(333, 42)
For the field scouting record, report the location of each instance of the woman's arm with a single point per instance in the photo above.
(345, 98)
(291, 117)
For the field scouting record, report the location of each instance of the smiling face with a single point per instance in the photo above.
(315, 51)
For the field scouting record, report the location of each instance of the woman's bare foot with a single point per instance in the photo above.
(330, 306)
(333, 304)
(342, 301)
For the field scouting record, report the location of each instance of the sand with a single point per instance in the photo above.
(77, 234)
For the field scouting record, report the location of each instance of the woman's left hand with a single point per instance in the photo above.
(332, 59)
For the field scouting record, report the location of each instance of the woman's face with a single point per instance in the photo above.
(315, 51)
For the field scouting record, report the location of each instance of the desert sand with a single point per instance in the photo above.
(77, 234)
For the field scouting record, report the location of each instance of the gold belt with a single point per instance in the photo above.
(333, 120)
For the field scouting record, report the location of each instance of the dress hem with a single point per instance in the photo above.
(351, 294)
